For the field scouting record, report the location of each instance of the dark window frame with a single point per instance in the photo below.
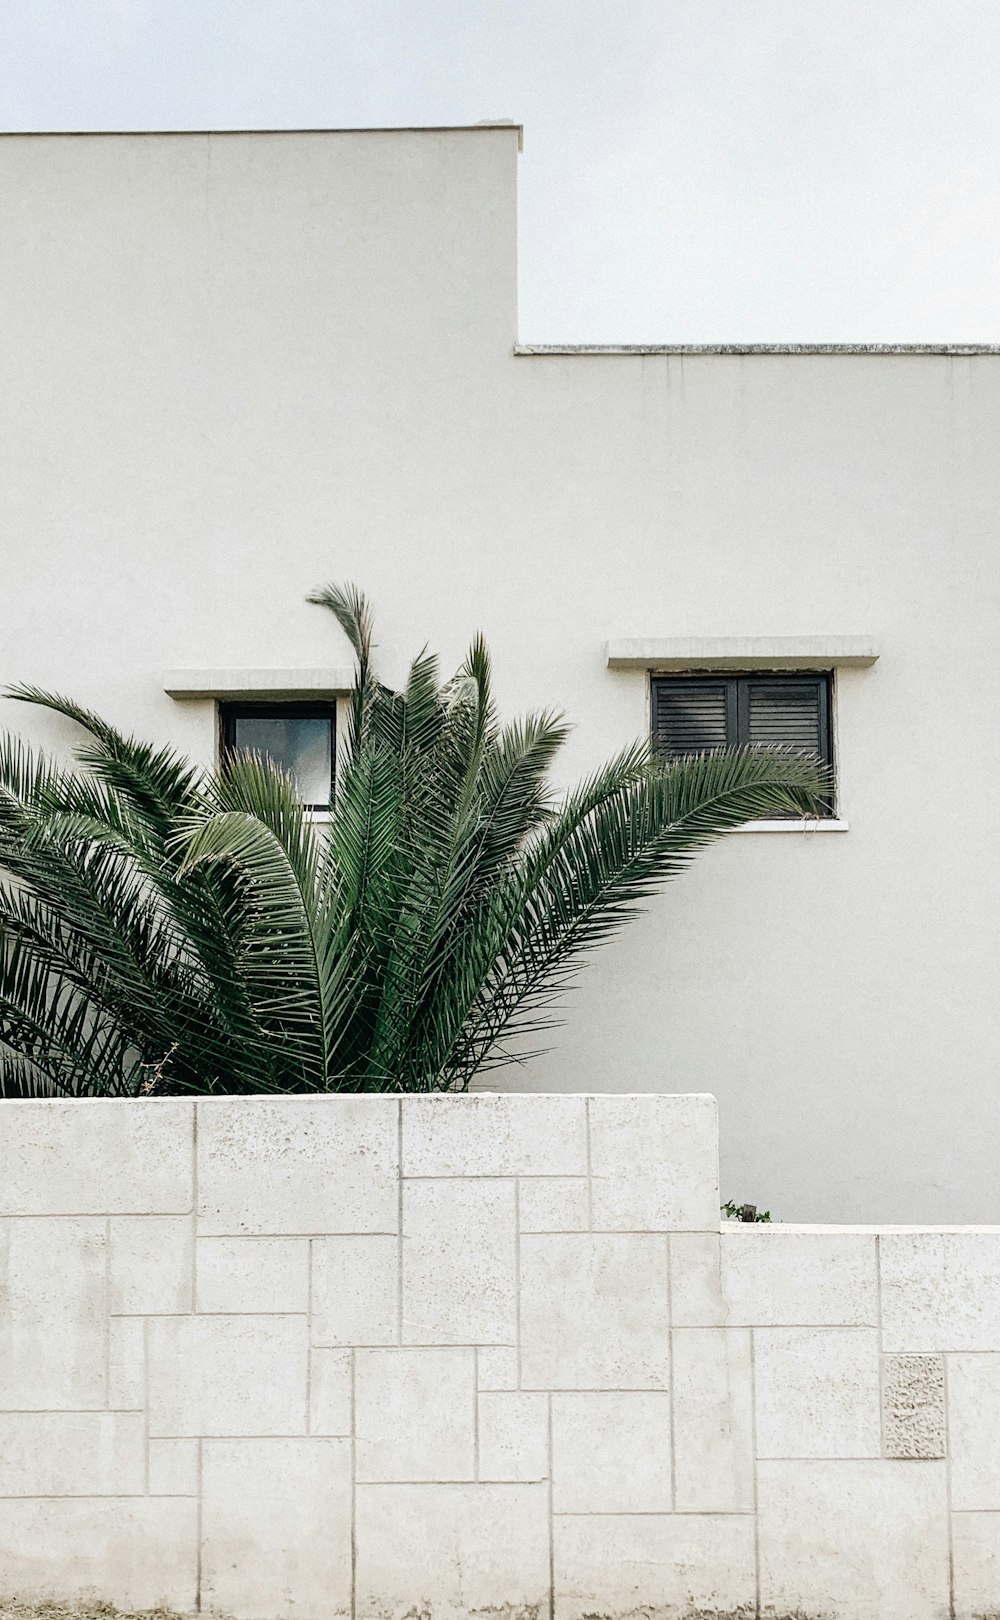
(229, 713)
(736, 685)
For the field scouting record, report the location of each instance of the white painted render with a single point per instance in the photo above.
(234, 367)
(311, 1357)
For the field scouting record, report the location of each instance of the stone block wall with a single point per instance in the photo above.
(455, 1356)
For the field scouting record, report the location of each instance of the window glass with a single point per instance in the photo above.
(298, 740)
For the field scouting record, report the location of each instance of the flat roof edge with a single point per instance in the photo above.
(366, 129)
(754, 348)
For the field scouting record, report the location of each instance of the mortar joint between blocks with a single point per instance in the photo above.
(948, 1493)
(590, 1172)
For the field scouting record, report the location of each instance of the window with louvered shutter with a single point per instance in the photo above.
(693, 714)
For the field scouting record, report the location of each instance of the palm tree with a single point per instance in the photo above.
(168, 930)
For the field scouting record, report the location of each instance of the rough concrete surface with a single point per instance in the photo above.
(489, 1356)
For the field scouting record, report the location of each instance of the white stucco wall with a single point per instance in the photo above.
(460, 1356)
(234, 367)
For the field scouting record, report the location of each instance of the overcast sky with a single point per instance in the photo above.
(693, 170)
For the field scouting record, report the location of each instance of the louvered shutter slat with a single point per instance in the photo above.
(784, 715)
(689, 717)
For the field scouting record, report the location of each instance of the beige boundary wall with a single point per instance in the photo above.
(456, 1355)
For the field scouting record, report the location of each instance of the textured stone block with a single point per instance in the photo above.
(775, 1278)
(459, 1262)
(864, 1539)
(415, 1414)
(53, 1311)
(173, 1467)
(97, 1156)
(126, 1363)
(940, 1290)
(237, 1275)
(553, 1204)
(513, 1437)
(976, 1547)
(277, 1165)
(227, 1375)
(452, 1551)
(497, 1367)
(276, 1528)
(662, 1567)
(974, 1432)
(655, 1163)
(142, 1556)
(331, 1398)
(494, 1134)
(817, 1392)
(355, 1290)
(713, 1420)
(151, 1264)
(72, 1454)
(696, 1280)
(594, 1312)
(913, 1421)
(611, 1453)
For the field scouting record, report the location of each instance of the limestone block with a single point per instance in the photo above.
(459, 1262)
(553, 1204)
(513, 1437)
(355, 1290)
(913, 1421)
(53, 1314)
(277, 1165)
(143, 1557)
(415, 1414)
(974, 1432)
(611, 1453)
(655, 1163)
(331, 1399)
(497, 1367)
(713, 1420)
(817, 1392)
(494, 1134)
(151, 1264)
(662, 1567)
(276, 1528)
(72, 1453)
(696, 1280)
(940, 1290)
(452, 1551)
(253, 1274)
(97, 1156)
(867, 1539)
(227, 1375)
(173, 1467)
(594, 1311)
(126, 1363)
(777, 1278)
(976, 1551)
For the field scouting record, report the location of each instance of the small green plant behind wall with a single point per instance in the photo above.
(744, 1212)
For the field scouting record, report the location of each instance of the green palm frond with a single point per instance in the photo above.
(167, 929)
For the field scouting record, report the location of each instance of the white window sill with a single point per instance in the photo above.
(790, 825)
(687, 653)
(808, 825)
(288, 685)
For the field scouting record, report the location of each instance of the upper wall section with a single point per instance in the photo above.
(355, 245)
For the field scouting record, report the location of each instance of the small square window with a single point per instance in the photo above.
(300, 738)
(693, 714)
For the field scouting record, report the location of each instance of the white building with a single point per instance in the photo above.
(236, 366)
